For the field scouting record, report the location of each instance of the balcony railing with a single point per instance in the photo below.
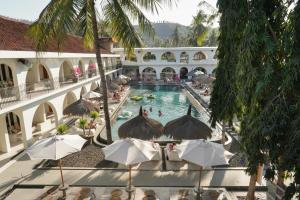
(10, 95)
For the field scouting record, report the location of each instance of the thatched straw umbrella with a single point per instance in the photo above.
(80, 107)
(187, 127)
(113, 86)
(91, 95)
(141, 127)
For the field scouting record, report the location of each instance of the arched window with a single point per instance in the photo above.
(184, 57)
(199, 56)
(168, 56)
(149, 57)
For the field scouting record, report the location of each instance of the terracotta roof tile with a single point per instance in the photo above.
(12, 38)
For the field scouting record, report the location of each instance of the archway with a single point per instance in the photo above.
(69, 99)
(38, 78)
(200, 69)
(168, 56)
(44, 119)
(168, 74)
(92, 69)
(14, 129)
(83, 91)
(7, 89)
(149, 74)
(183, 73)
(184, 57)
(67, 73)
(199, 56)
(149, 57)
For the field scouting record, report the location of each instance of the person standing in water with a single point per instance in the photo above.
(145, 113)
(159, 113)
(150, 109)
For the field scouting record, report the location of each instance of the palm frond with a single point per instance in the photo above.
(85, 25)
(120, 25)
(134, 12)
(56, 20)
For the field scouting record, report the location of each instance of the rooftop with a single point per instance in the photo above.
(13, 38)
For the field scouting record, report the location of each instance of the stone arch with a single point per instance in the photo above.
(199, 56)
(6, 76)
(8, 83)
(168, 56)
(149, 74)
(14, 129)
(149, 57)
(66, 72)
(44, 119)
(183, 73)
(200, 69)
(39, 78)
(69, 99)
(168, 73)
(83, 91)
(184, 57)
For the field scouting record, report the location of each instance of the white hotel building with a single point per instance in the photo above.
(35, 90)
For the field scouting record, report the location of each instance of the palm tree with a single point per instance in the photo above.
(61, 17)
(82, 124)
(62, 128)
(94, 115)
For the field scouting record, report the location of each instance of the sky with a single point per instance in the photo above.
(29, 10)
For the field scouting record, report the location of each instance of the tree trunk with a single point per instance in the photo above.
(280, 178)
(251, 188)
(223, 133)
(102, 74)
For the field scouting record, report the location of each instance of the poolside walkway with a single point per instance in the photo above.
(22, 173)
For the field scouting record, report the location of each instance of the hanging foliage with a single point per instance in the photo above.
(258, 80)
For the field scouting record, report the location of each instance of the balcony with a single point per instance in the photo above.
(10, 95)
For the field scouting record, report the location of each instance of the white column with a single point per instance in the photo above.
(4, 137)
(26, 126)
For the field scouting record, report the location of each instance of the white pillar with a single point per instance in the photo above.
(4, 137)
(25, 118)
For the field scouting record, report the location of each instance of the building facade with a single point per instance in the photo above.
(35, 88)
(158, 63)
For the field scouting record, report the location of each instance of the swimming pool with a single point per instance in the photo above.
(169, 99)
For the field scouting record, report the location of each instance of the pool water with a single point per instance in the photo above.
(168, 99)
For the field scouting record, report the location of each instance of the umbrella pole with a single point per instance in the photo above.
(63, 189)
(129, 183)
(61, 174)
(199, 184)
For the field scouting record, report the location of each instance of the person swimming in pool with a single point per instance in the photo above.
(159, 113)
(145, 113)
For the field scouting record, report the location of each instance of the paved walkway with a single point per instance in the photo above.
(22, 172)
